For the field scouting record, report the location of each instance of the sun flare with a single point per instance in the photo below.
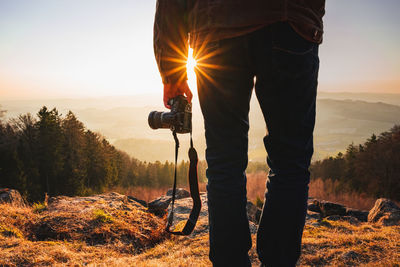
(190, 65)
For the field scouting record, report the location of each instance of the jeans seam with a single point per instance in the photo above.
(292, 52)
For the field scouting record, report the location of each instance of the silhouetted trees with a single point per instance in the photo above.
(58, 155)
(372, 168)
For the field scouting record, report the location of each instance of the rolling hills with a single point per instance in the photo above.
(342, 118)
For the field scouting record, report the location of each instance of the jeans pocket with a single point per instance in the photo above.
(294, 58)
(286, 39)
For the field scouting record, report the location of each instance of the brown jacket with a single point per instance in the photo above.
(179, 23)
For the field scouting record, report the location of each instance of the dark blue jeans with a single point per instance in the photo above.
(286, 68)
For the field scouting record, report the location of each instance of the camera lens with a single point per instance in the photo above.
(155, 120)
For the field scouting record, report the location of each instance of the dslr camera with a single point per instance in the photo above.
(178, 120)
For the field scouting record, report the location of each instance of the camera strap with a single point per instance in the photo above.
(194, 190)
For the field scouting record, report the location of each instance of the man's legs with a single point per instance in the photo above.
(225, 83)
(287, 70)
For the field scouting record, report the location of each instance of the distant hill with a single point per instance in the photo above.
(342, 118)
(393, 99)
(339, 123)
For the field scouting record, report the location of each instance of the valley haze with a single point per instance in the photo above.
(342, 118)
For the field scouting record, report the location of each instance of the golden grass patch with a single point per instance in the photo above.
(137, 238)
(102, 216)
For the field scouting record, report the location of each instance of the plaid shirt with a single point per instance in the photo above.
(179, 23)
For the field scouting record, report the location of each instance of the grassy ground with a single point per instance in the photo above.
(319, 189)
(134, 238)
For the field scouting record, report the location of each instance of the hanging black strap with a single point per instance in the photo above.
(194, 190)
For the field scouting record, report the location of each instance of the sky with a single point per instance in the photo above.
(91, 48)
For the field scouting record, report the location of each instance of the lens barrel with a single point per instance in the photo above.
(155, 120)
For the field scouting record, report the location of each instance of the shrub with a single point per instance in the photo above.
(39, 207)
(102, 216)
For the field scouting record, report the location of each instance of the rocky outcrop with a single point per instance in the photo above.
(329, 208)
(12, 197)
(142, 202)
(313, 215)
(384, 212)
(361, 215)
(180, 193)
(98, 220)
(111, 200)
(314, 206)
(183, 207)
(182, 210)
(159, 205)
(335, 211)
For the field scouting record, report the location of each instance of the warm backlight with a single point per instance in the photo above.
(190, 65)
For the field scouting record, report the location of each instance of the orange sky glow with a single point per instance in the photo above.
(55, 49)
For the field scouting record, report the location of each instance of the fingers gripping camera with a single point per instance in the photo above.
(178, 120)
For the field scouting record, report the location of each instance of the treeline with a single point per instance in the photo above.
(372, 168)
(59, 156)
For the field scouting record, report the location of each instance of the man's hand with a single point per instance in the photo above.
(173, 90)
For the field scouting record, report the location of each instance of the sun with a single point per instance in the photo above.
(190, 65)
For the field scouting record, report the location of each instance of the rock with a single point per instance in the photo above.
(182, 210)
(83, 204)
(159, 206)
(352, 220)
(142, 202)
(361, 215)
(180, 193)
(390, 219)
(385, 212)
(330, 208)
(313, 215)
(98, 220)
(253, 213)
(12, 197)
(183, 207)
(314, 206)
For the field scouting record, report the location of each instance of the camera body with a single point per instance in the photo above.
(179, 119)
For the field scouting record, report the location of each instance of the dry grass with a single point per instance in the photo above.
(132, 237)
(319, 189)
(148, 193)
(338, 243)
(256, 185)
(20, 219)
(324, 244)
(142, 192)
(39, 207)
(77, 230)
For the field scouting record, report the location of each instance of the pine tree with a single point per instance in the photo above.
(74, 171)
(51, 158)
